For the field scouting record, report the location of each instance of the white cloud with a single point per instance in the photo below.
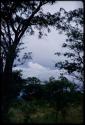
(37, 70)
(43, 73)
(36, 66)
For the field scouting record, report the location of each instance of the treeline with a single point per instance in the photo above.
(61, 92)
(58, 94)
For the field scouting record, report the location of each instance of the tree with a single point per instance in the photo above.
(17, 84)
(72, 25)
(32, 89)
(17, 18)
(62, 93)
(32, 80)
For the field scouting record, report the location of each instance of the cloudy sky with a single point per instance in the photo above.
(43, 60)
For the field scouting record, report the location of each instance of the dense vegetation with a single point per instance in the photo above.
(55, 101)
(39, 111)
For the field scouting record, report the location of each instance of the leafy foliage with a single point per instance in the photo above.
(17, 83)
(17, 18)
(73, 27)
(54, 97)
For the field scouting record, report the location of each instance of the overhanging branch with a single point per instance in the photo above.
(27, 21)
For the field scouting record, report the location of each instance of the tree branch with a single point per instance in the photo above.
(3, 48)
(27, 21)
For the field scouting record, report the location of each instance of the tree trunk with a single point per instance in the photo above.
(7, 78)
(6, 82)
(6, 93)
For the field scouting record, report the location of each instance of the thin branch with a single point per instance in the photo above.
(9, 34)
(3, 48)
(27, 21)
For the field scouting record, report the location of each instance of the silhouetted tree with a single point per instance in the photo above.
(32, 89)
(73, 27)
(17, 84)
(62, 93)
(33, 80)
(17, 18)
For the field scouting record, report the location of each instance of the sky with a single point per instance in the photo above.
(43, 60)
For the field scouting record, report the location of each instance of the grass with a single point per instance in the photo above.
(75, 115)
(41, 112)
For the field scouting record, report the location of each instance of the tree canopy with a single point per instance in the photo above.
(74, 63)
(17, 18)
